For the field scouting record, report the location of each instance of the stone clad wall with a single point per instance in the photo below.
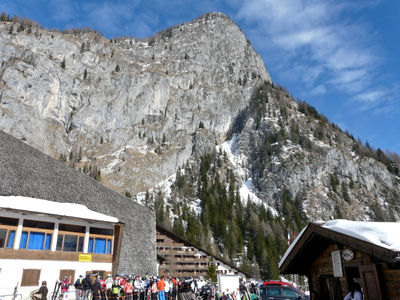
(25, 171)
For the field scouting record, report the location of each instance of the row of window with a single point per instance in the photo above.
(38, 235)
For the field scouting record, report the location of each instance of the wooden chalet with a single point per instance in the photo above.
(27, 172)
(181, 258)
(46, 240)
(333, 260)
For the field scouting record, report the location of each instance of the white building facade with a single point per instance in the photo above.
(44, 240)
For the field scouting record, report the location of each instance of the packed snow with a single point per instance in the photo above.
(53, 208)
(383, 234)
(246, 192)
(231, 148)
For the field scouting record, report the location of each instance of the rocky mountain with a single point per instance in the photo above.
(130, 107)
(190, 123)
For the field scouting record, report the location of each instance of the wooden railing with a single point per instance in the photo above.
(51, 255)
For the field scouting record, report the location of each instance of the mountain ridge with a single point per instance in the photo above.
(129, 81)
(190, 123)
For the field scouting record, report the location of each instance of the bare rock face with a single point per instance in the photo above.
(129, 107)
(135, 111)
(325, 171)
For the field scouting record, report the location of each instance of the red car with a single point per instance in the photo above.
(274, 290)
(278, 283)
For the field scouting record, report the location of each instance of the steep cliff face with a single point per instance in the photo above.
(135, 111)
(129, 107)
(290, 148)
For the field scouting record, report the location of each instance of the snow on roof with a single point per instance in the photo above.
(383, 234)
(291, 247)
(53, 208)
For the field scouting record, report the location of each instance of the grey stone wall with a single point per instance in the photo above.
(25, 171)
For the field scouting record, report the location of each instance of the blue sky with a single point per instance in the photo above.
(343, 57)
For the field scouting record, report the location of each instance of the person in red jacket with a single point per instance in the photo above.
(64, 287)
(128, 289)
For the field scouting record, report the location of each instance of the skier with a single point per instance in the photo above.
(161, 287)
(86, 286)
(64, 287)
(109, 282)
(78, 287)
(96, 289)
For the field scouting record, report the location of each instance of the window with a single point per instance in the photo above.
(71, 228)
(7, 236)
(100, 240)
(100, 273)
(8, 228)
(100, 245)
(102, 231)
(70, 238)
(36, 235)
(273, 291)
(38, 224)
(30, 277)
(35, 240)
(289, 293)
(8, 221)
(70, 242)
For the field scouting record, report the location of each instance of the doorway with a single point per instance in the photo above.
(329, 287)
(352, 275)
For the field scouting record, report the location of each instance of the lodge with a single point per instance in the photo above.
(335, 255)
(45, 240)
(181, 258)
(82, 220)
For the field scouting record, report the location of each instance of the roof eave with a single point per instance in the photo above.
(313, 231)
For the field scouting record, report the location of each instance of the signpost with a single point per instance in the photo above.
(337, 264)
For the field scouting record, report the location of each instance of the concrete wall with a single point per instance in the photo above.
(25, 171)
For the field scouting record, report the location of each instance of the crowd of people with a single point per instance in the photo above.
(129, 287)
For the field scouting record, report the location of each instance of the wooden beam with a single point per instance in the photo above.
(7, 253)
(119, 229)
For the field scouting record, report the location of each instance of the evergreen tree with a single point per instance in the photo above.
(178, 227)
(212, 271)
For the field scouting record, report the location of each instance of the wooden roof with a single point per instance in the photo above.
(315, 239)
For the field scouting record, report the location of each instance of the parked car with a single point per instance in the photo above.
(277, 283)
(272, 290)
(207, 292)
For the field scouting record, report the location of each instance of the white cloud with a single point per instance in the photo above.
(319, 90)
(317, 35)
(382, 100)
(63, 10)
(372, 96)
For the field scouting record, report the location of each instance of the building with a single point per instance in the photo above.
(341, 252)
(45, 240)
(181, 258)
(27, 172)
